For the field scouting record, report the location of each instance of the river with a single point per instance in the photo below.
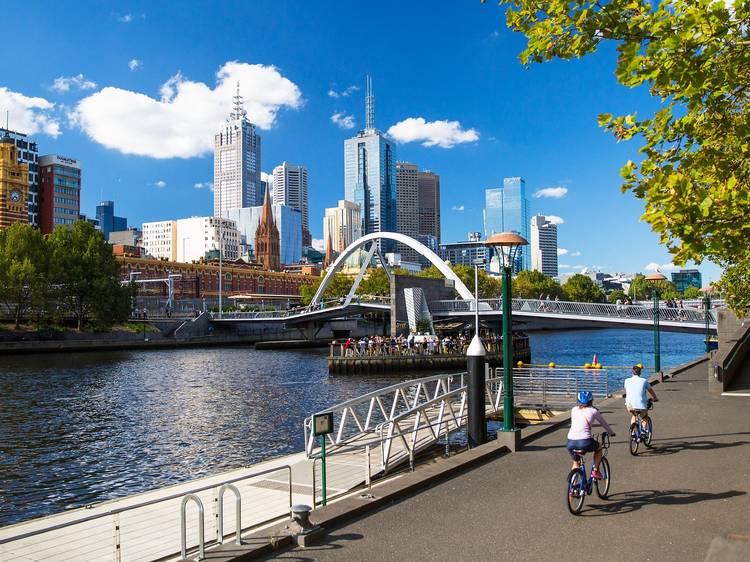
(81, 428)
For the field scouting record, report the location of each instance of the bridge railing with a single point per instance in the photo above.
(642, 311)
(297, 311)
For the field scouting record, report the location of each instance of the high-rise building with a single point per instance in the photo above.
(290, 189)
(429, 204)
(198, 237)
(59, 192)
(26, 152)
(236, 162)
(466, 253)
(506, 209)
(687, 278)
(108, 221)
(14, 184)
(544, 245)
(267, 238)
(342, 225)
(160, 240)
(370, 175)
(407, 207)
(288, 222)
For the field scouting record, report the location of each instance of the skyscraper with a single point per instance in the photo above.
(370, 175)
(341, 226)
(26, 152)
(407, 208)
(544, 245)
(14, 184)
(290, 189)
(108, 222)
(506, 209)
(429, 204)
(59, 192)
(236, 162)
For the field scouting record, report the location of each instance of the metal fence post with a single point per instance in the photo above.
(118, 549)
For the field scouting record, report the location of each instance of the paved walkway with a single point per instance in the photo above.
(666, 504)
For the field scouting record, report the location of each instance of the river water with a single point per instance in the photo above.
(86, 427)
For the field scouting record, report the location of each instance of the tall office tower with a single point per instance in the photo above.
(506, 209)
(59, 192)
(407, 207)
(26, 152)
(544, 245)
(108, 222)
(429, 204)
(290, 189)
(342, 225)
(14, 184)
(267, 239)
(370, 175)
(236, 162)
(687, 278)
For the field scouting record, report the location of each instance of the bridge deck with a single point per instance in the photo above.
(667, 503)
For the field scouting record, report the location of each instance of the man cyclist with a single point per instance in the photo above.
(635, 396)
(582, 417)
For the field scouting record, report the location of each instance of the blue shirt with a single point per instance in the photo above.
(635, 393)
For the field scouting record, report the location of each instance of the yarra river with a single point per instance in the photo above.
(82, 428)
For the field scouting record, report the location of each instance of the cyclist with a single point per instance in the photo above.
(582, 417)
(635, 396)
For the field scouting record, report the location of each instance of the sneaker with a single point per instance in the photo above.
(596, 475)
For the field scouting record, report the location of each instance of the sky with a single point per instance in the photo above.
(136, 91)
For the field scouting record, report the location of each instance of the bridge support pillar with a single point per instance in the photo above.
(477, 423)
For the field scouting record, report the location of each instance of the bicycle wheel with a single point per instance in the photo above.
(650, 433)
(602, 486)
(633, 439)
(576, 491)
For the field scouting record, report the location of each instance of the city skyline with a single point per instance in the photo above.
(471, 136)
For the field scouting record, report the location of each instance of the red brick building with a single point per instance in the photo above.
(59, 192)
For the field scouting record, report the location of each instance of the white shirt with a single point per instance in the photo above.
(635, 393)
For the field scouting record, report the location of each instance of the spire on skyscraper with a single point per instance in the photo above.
(369, 104)
(238, 111)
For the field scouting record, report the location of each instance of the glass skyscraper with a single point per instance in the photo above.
(370, 176)
(506, 209)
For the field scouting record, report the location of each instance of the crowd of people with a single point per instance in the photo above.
(413, 344)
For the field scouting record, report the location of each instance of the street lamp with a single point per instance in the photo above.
(707, 308)
(508, 244)
(654, 279)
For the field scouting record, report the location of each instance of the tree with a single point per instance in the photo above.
(534, 285)
(377, 281)
(617, 294)
(580, 288)
(86, 275)
(339, 286)
(489, 287)
(691, 292)
(23, 269)
(694, 56)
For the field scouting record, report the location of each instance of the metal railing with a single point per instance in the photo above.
(537, 307)
(558, 387)
(302, 311)
(145, 530)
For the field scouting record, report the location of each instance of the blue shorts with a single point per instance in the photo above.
(587, 445)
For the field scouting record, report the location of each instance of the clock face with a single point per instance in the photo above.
(15, 196)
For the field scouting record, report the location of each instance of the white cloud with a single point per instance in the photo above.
(444, 134)
(183, 122)
(343, 93)
(125, 18)
(266, 178)
(458, 208)
(561, 251)
(160, 184)
(63, 84)
(554, 219)
(134, 64)
(653, 266)
(319, 244)
(564, 266)
(204, 185)
(29, 115)
(343, 121)
(575, 254)
(553, 192)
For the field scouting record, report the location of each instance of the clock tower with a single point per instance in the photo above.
(14, 185)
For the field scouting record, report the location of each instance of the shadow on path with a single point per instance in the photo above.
(626, 502)
(331, 541)
(670, 448)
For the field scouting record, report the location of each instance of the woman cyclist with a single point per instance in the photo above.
(579, 437)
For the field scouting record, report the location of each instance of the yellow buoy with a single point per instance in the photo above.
(520, 363)
(587, 366)
(598, 366)
(551, 365)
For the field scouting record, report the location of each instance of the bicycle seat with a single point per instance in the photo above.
(579, 452)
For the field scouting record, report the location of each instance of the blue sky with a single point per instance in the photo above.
(132, 90)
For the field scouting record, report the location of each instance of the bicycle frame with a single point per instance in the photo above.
(581, 460)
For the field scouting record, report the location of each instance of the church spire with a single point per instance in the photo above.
(267, 250)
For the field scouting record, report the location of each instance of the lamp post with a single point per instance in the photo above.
(654, 279)
(508, 244)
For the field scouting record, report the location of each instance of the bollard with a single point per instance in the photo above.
(477, 423)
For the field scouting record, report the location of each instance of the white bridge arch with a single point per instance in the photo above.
(372, 239)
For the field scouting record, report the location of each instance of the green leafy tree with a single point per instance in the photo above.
(533, 284)
(377, 282)
(614, 295)
(339, 286)
(694, 57)
(23, 270)
(691, 292)
(86, 276)
(580, 288)
(489, 287)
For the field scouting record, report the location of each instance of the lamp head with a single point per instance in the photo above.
(655, 278)
(508, 244)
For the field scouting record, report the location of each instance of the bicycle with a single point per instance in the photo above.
(640, 434)
(579, 486)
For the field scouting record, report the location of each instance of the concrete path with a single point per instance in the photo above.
(668, 503)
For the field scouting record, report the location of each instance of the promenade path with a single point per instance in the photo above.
(668, 503)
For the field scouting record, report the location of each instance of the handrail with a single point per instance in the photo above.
(183, 527)
(238, 513)
(176, 495)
